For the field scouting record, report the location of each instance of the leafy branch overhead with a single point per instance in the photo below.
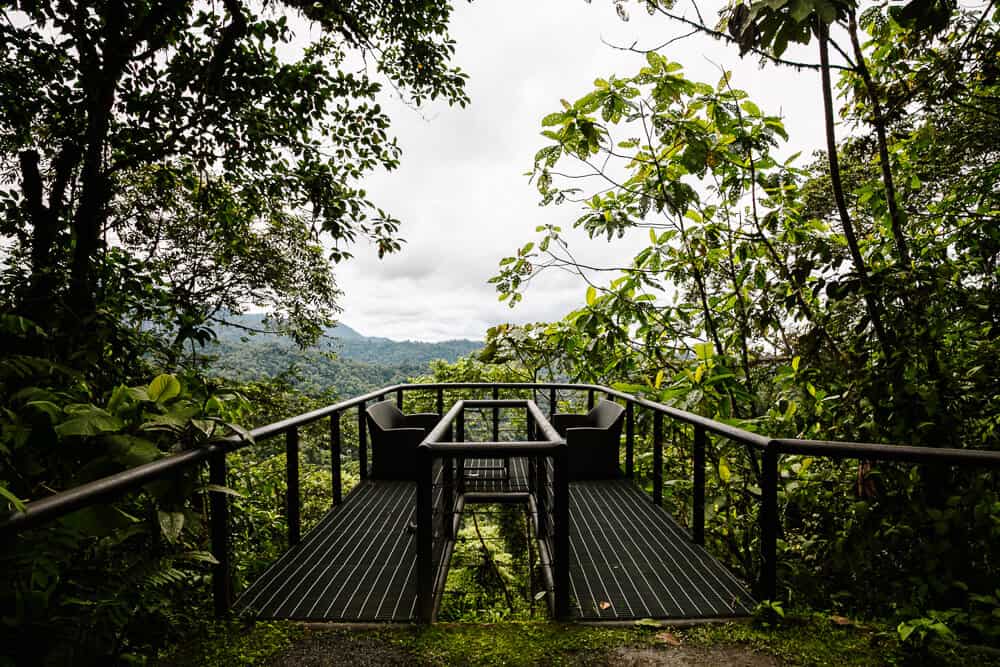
(146, 122)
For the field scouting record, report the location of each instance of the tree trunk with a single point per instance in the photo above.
(871, 301)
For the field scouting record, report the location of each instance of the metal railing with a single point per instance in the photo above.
(45, 510)
(439, 505)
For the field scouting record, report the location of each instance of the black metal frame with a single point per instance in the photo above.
(44, 510)
(438, 454)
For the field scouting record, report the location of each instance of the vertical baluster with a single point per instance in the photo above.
(552, 403)
(496, 415)
(425, 537)
(658, 458)
(590, 399)
(292, 488)
(561, 534)
(335, 462)
(629, 439)
(221, 581)
(362, 441)
(399, 399)
(449, 498)
(440, 401)
(769, 524)
(698, 502)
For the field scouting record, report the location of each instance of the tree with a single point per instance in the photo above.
(134, 125)
(852, 298)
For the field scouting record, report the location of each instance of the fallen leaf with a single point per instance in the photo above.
(604, 605)
(667, 638)
(840, 620)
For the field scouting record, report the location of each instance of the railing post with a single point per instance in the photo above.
(221, 581)
(399, 399)
(440, 401)
(496, 415)
(658, 458)
(541, 496)
(769, 524)
(335, 462)
(590, 399)
(362, 441)
(552, 403)
(698, 502)
(292, 490)
(629, 439)
(448, 472)
(460, 426)
(561, 533)
(425, 535)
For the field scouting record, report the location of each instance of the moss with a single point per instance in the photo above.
(515, 643)
(235, 642)
(819, 639)
(805, 639)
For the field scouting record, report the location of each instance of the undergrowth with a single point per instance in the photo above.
(810, 638)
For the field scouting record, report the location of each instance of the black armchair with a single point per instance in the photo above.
(593, 440)
(395, 437)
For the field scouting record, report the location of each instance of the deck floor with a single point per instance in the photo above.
(357, 564)
(628, 559)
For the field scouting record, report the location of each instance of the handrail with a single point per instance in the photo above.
(46, 509)
(439, 446)
(43, 510)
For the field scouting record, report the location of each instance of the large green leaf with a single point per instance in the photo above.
(163, 388)
(88, 422)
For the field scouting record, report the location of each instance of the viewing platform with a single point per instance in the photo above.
(618, 555)
(607, 550)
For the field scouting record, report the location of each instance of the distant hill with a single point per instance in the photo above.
(343, 359)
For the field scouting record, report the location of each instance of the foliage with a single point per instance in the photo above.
(107, 580)
(848, 298)
(234, 643)
(167, 160)
(164, 163)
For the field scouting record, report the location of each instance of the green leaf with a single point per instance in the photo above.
(553, 119)
(591, 295)
(171, 524)
(200, 556)
(163, 388)
(53, 411)
(704, 351)
(724, 473)
(14, 500)
(131, 451)
(751, 108)
(218, 488)
(93, 421)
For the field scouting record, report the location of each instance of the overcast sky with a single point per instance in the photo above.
(461, 191)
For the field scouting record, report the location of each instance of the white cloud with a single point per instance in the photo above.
(460, 190)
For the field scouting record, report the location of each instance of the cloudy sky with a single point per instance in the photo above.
(461, 191)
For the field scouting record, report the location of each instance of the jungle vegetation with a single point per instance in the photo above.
(168, 164)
